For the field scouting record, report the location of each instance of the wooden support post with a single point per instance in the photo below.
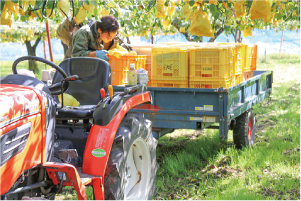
(49, 41)
(44, 49)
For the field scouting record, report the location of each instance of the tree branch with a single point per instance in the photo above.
(232, 34)
(219, 32)
(177, 25)
(37, 42)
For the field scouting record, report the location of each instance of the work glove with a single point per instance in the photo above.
(102, 54)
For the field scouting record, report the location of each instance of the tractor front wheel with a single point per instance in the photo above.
(244, 129)
(132, 165)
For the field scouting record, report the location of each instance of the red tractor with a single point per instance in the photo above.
(46, 145)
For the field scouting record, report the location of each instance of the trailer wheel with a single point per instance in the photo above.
(244, 129)
(132, 165)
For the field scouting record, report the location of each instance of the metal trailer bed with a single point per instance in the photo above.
(199, 108)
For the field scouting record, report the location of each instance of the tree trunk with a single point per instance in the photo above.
(128, 41)
(219, 32)
(239, 40)
(31, 51)
(237, 35)
(64, 46)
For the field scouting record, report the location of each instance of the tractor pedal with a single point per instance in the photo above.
(67, 154)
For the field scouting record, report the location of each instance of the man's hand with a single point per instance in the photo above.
(102, 54)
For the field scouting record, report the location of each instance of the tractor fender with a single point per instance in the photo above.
(100, 139)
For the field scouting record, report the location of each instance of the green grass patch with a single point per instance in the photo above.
(6, 67)
(68, 193)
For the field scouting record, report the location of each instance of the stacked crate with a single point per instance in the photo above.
(169, 67)
(211, 66)
(201, 65)
(238, 60)
(249, 54)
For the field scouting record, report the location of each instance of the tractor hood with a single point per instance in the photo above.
(16, 103)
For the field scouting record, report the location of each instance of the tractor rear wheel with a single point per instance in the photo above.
(132, 165)
(244, 129)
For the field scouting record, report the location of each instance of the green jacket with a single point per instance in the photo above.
(83, 42)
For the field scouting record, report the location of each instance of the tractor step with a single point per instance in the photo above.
(86, 179)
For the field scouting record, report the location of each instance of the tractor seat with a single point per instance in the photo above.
(93, 74)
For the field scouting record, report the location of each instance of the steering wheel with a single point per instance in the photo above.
(56, 88)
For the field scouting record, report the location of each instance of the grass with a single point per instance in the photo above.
(6, 67)
(197, 165)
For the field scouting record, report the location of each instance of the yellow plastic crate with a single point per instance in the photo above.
(250, 57)
(120, 66)
(238, 58)
(212, 65)
(170, 83)
(212, 83)
(169, 63)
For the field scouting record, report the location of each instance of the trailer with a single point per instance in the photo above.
(200, 108)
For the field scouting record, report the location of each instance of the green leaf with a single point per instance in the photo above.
(271, 2)
(16, 17)
(278, 16)
(22, 18)
(76, 11)
(95, 11)
(131, 25)
(38, 5)
(249, 4)
(191, 2)
(89, 15)
(150, 4)
(94, 3)
(86, 2)
(213, 9)
(15, 1)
